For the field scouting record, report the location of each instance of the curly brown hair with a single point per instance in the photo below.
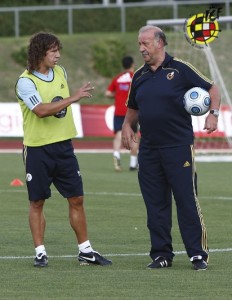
(39, 44)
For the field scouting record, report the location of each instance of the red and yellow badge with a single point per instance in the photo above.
(201, 29)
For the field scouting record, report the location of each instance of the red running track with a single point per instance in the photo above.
(77, 143)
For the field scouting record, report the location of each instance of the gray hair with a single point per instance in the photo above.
(158, 33)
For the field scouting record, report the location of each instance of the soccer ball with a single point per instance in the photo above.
(196, 101)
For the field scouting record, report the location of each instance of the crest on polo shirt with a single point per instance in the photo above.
(170, 75)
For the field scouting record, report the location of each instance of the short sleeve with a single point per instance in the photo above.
(27, 92)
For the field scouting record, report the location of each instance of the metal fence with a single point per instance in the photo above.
(175, 5)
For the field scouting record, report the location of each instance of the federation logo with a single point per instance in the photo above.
(170, 76)
(202, 28)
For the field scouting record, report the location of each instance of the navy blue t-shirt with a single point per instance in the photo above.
(158, 97)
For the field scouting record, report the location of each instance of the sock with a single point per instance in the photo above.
(133, 161)
(85, 247)
(116, 154)
(40, 249)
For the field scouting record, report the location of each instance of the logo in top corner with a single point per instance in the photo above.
(202, 28)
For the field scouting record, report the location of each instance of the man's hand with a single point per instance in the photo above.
(128, 137)
(211, 123)
(83, 92)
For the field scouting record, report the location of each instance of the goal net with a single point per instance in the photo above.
(214, 62)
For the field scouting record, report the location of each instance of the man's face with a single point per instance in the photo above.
(52, 57)
(148, 46)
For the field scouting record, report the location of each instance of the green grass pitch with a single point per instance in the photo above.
(117, 228)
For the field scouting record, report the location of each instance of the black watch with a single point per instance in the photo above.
(214, 112)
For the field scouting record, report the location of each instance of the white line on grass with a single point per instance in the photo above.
(110, 194)
(115, 194)
(110, 254)
(199, 158)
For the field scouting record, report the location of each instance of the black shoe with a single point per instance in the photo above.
(133, 169)
(160, 262)
(41, 260)
(198, 263)
(93, 258)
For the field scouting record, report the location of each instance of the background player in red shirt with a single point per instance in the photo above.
(119, 89)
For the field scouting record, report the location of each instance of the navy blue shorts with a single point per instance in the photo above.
(54, 163)
(118, 121)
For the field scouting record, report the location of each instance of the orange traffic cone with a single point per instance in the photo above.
(16, 182)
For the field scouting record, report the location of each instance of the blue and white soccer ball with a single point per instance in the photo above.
(197, 101)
